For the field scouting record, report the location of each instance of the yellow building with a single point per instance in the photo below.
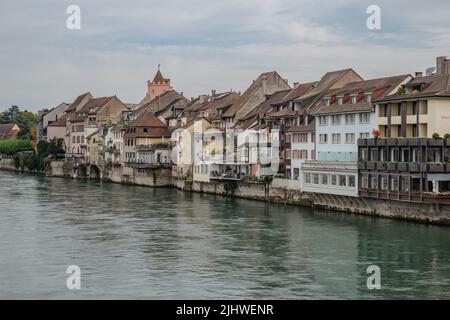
(420, 108)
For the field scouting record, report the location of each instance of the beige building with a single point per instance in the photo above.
(420, 108)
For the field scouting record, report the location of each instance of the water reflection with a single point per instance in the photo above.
(134, 242)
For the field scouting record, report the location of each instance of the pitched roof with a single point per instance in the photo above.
(303, 127)
(437, 85)
(96, 104)
(379, 87)
(6, 130)
(147, 126)
(326, 82)
(296, 92)
(266, 106)
(251, 91)
(61, 122)
(160, 102)
(77, 101)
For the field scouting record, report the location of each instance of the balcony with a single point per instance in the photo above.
(435, 142)
(392, 166)
(414, 167)
(402, 166)
(371, 165)
(402, 142)
(436, 167)
(381, 166)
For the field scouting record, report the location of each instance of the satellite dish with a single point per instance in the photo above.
(430, 71)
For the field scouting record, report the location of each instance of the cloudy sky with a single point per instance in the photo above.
(205, 44)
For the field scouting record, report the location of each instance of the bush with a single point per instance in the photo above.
(436, 136)
(15, 146)
(447, 136)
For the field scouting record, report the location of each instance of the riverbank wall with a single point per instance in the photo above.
(279, 191)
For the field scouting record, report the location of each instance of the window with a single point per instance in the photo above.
(365, 181)
(364, 117)
(394, 183)
(145, 130)
(368, 97)
(336, 120)
(351, 181)
(349, 119)
(296, 173)
(324, 178)
(303, 138)
(374, 182)
(364, 135)
(307, 177)
(323, 138)
(349, 138)
(340, 100)
(342, 181)
(333, 180)
(327, 101)
(353, 99)
(73, 139)
(384, 183)
(323, 120)
(405, 184)
(312, 138)
(336, 138)
(315, 178)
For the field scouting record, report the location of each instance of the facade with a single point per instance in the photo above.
(405, 169)
(409, 161)
(265, 85)
(53, 116)
(75, 127)
(147, 142)
(9, 131)
(57, 130)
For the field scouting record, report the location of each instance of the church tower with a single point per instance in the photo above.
(158, 85)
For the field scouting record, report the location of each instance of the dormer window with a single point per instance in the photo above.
(368, 97)
(353, 99)
(327, 101)
(340, 100)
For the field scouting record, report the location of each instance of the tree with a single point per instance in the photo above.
(26, 121)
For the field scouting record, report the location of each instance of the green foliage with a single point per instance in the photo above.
(447, 136)
(26, 120)
(230, 186)
(268, 180)
(13, 146)
(436, 136)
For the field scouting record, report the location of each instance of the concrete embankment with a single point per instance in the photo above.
(280, 191)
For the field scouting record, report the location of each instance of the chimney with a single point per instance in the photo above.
(182, 93)
(213, 92)
(419, 74)
(442, 65)
(296, 85)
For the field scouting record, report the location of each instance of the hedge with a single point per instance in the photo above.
(15, 146)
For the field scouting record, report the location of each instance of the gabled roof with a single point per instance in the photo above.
(437, 85)
(61, 122)
(6, 130)
(147, 126)
(160, 102)
(96, 104)
(296, 93)
(378, 87)
(266, 106)
(251, 91)
(77, 101)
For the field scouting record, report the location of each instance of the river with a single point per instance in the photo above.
(142, 243)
